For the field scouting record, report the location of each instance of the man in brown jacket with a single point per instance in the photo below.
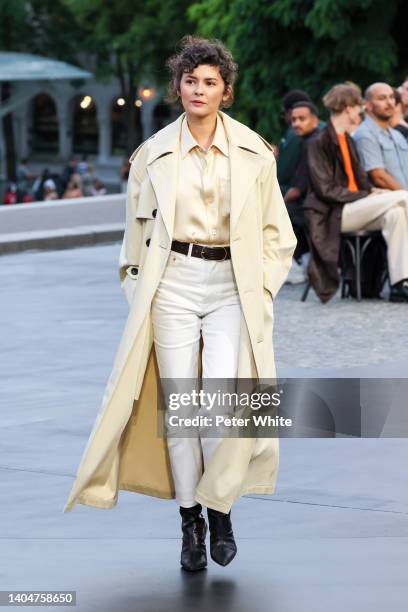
(341, 199)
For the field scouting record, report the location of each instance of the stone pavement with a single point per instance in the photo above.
(370, 337)
(332, 538)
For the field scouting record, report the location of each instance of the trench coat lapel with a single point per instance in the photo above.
(162, 168)
(246, 157)
(247, 154)
(244, 168)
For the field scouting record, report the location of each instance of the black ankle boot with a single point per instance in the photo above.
(222, 544)
(399, 291)
(194, 528)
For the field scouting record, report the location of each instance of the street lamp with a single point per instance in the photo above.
(146, 93)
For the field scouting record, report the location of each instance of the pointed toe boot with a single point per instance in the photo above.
(222, 544)
(193, 550)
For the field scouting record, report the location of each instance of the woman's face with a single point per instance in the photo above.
(202, 91)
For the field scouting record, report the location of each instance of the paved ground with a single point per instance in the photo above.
(369, 338)
(332, 538)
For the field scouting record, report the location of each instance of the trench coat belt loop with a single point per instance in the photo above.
(205, 252)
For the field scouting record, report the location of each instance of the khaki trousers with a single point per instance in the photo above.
(387, 212)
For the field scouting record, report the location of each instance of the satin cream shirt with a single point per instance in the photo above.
(203, 194)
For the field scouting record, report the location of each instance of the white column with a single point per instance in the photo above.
(105, 138)
(147, 110)
(64, 140)
(20, 132)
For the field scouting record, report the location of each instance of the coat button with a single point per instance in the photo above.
(148, 242)
(154, 212)
(134, 271)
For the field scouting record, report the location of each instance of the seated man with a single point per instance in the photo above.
(383, 151)
(403, 91)
(289, 146)
(397, 120)
(304, 121)
(341, 199)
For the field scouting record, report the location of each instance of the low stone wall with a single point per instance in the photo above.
(62, 224)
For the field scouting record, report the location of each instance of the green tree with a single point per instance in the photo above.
(131, 41)
(124, 39)
(43, 27)
(306, 44)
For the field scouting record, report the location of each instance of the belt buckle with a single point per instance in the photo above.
(209, 258)
(203, 251)
(225, 256)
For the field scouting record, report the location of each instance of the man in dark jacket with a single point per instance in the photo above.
(341, 199)
(290, 144)
(305, 121)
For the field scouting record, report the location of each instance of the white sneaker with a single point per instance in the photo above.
(296, 274)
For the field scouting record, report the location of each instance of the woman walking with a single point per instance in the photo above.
(207, 245)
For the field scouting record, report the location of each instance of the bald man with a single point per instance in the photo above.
(383, 151)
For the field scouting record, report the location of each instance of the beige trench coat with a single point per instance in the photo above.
(124, 450)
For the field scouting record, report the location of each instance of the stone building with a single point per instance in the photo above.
(57, 118)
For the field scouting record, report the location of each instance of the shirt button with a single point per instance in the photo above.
(213, 232)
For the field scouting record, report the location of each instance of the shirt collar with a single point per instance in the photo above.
(188, 141)
(375, 127)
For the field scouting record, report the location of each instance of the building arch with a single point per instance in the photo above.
(44, 125)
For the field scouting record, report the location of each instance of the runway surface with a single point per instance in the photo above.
(332, 538)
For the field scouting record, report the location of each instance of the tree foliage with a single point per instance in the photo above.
(279, 44)
(43, 27)
(130, 41)
(304, 44)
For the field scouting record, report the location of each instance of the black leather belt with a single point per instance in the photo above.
(205, 252)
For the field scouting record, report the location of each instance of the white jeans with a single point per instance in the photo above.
(388, 212)
(195, 297)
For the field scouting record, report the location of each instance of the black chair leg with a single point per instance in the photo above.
(358, 268)
(306, 291)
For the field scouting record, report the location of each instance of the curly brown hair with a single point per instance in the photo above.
(195, 51)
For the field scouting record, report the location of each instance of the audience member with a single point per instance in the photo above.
(99, 188)
(68, 171)
(289, 146)
(383, 150)
(83, 166)
(403, 91)
(73, 189)
(50, 190)
(397, 120)
(10, 194)
(304, 122)
(24, 175)
(341, 199)
(38, 186)
(87, 181)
